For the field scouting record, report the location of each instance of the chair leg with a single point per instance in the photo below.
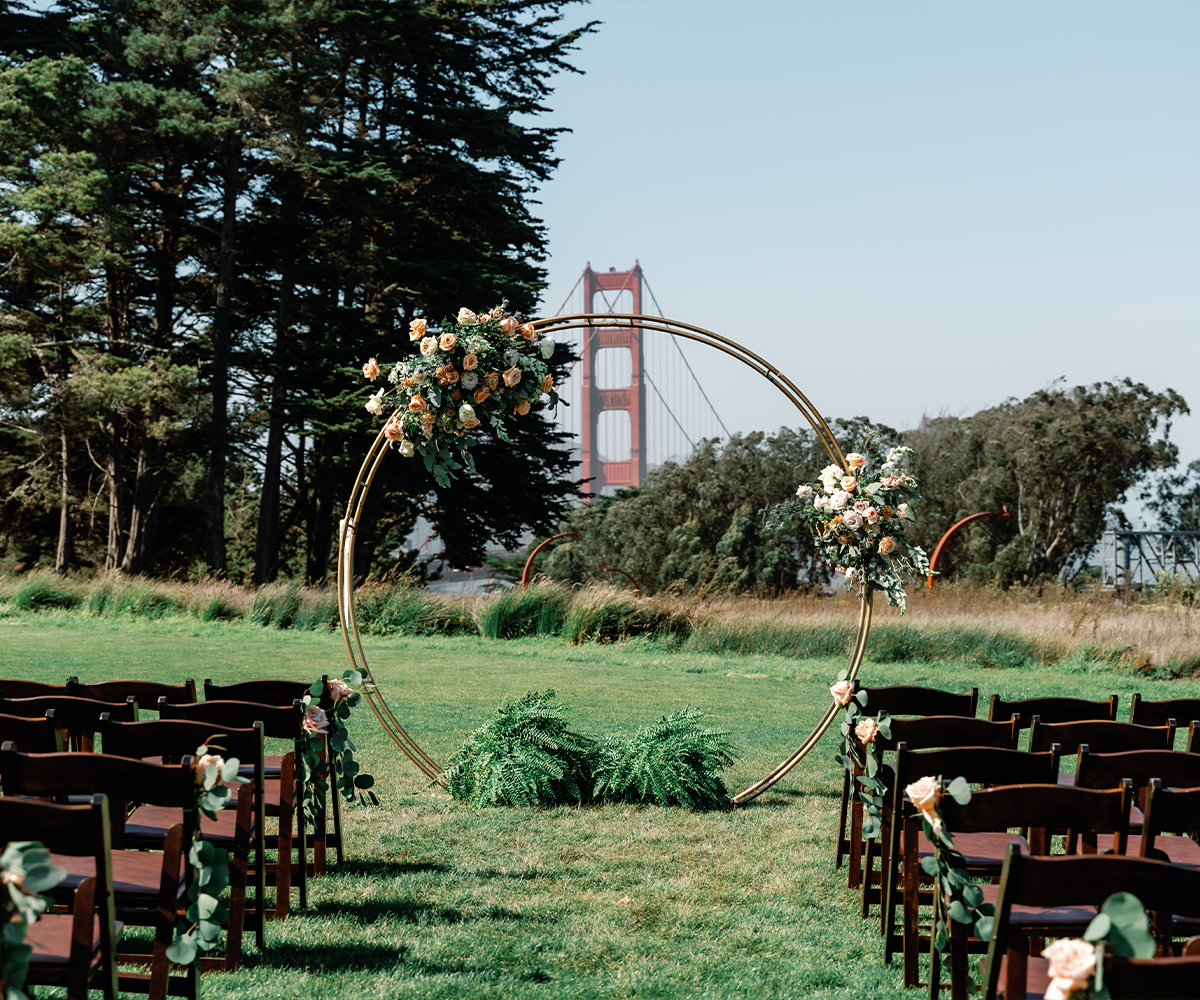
(842, 842)
(856, 840)
(337, 826)
(868, 877)
(283, 853)
(909, 903)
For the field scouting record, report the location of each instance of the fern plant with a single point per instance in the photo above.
(673, 762)
(524, 755)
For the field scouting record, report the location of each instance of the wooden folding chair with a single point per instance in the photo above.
(78, 716)
(929, 733)
(239, 829)
(1173, 768)
(11, 687)
(146, 887)
(282, 692)
(1171, 811)
(76, 950)
(1172, 977)
(32, 734)
(1052, 709)
(1041, 809)
(896, 701)
(283, 794)
(983, 852)
(1184, 711)
(147, 693)
(1081, 881)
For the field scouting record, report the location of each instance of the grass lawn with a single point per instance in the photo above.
(437, 899)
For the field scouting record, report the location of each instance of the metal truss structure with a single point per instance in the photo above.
(1131, 560)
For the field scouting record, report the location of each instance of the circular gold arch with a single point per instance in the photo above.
(551, 326)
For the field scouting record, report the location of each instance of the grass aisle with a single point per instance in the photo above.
(442, 900)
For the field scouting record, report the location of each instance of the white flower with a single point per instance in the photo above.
(511, 356)
(902, 511)
(466, 412)
(821, 504)
(839, 500)
(466, 317)
(374, 403)
(804, 491)
(861, 506)
(407, 448)
(547, 346)
(870, 514)
(852, 520)
(470, 380)
(429, 346)
(831, 477)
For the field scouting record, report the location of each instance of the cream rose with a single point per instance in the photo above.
(339, 690)
(852, 520)
(1072, 965)
(546, 346)
(374, 403)
(867, 729)
(508, 326)
(902, 512)
(429, 346)
(407, 448)
(843, 692)
(315, 720)
(870, 515)
(804, 491)
(470, 380)
(839, 500)
(466, 317)
(855, 461)
(416, 329)
(371, 370)
(466, 412)
(201, 766)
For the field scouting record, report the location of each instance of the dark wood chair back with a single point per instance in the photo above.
(147, 693)
(83, 831)
(1052, 709)
(1156, 713)
(1174, 768)
(10, 687)
(1172, 977)
(264, 692)
(951, 731)
(279, 722)
(1085, 880)
(31, 734)
(1170, 810)
(1100, 735)
(78, 716)
(909, 700)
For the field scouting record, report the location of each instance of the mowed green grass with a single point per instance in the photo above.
(437, 899)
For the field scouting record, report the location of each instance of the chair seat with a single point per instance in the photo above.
(134, 873)
(50, 938)
(1037, 977)
(1178, 850)
(979, 850)
(1042, 916)
(151, 823)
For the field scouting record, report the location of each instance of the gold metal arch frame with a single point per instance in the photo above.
(550, 327)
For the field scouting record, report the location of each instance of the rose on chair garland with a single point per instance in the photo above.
(859, 521)
(26, 871)
(473, 368)
(860, 750)
(351, 782)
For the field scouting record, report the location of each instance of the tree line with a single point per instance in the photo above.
(211, 214)
(1060, 462)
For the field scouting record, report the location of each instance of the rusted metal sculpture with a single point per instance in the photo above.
(628, 576)
(950, 533)
(550, 327)
(534, 554)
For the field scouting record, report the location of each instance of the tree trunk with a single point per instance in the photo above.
(217, 562)
(62, 557)
(321, 513)
(116, 500)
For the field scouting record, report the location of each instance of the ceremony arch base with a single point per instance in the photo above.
(551, 327)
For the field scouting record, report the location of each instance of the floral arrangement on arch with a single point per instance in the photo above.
(859, 753)
(322, 727)
(859, 519)
(26, 871)
(476, 367)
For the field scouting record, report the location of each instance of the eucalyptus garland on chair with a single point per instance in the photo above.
(351, 781)
(206, 914)
(860, 754)
(25, 872)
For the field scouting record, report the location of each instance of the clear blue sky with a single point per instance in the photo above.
(908, 207)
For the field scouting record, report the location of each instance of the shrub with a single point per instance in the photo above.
(45, 590)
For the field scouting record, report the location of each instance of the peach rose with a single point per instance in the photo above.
(925, 794)
(512, 376)
(470, 362)
(1072, 965)
(849, 484)
(482, 394)
(870, 515)
(891, 482)
(315, 720)
(508, 326)
(339, 690)
(843, 692)
(547, 383)
(448, 341)
(427, 424)
(446, 375)
(416, 329)
(887, 545)
(521, 408)
(416, 404)
(429, 347)
(867, 729)
(528, 332)
(855, 461)
(491, 379)
(371, 370)
(393, 430)
(200, 767)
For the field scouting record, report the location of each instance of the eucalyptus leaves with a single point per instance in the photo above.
(206, 914)
(1077, 966)
(25, 872)
(860, 751)
(351, 782)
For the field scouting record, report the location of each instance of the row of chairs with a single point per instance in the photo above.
(144, 778)
(945, 738)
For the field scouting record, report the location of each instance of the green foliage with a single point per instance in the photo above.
(674, 762)
(28, 871)
(44, 590)
(524, 755)
(512, 613)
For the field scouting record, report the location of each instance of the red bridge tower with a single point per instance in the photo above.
(630, 398)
